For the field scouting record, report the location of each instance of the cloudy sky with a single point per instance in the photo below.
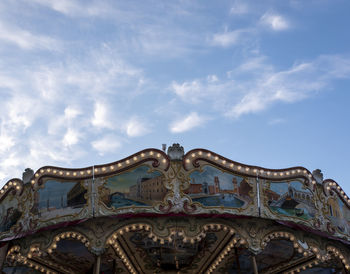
(261, 82)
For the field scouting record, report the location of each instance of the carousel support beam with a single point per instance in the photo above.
(255, 266)
(97, 265)
(3, 252)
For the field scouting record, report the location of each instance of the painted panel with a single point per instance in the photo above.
(291, 199)
(339, 214)
(213, 187)
(59, 198)
(9, 213)
(138, 187)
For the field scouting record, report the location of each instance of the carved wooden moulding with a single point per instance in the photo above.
(154, 212)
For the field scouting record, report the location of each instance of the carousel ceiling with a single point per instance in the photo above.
(153, 212)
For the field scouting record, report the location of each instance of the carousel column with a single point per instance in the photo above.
(3, 252)
(97, 264)
(255, 266)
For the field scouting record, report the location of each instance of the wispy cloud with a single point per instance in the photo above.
(27, 40)
(187, 123)
(106, 144)
(275, 21)
(76, 8)
(230, 38)
(239, 94)
(136, 127)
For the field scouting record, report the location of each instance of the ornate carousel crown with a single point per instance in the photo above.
(154, 212)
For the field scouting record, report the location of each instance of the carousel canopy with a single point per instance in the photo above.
(157, 212)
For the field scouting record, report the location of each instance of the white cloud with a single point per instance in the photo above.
(275, 21)
(229, 38)
(187, 123)
(71, 112)
(26, 40)
(76, 8)
(6, 142)
(71, 137)
(102, 116)
(107, 144)
(135, 127)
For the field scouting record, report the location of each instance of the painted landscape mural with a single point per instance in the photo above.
(59, 198)
(339, 214)
(291, 199)
(138, 187)
(9, 214)
(213, 187)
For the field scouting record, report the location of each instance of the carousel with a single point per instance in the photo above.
(171, 212)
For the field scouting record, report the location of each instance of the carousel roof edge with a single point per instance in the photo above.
(161, 159)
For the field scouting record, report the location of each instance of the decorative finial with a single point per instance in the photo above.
(27, 175)
(318, 175)
(176, 152)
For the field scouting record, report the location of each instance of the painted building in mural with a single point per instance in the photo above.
(147, 189)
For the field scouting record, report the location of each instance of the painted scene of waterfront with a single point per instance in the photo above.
(59, 198)
(290, 199)
(213, 187)
(138, 187)
(339, 214)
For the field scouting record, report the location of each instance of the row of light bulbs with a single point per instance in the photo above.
(255, 171)
(334, 186)
(25, 261)
(97, 170)
(68, 234)
(234, 242)
(300, 249)
(288, 236)
(11, 185)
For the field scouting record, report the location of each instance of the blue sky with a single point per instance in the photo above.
(261, 82)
